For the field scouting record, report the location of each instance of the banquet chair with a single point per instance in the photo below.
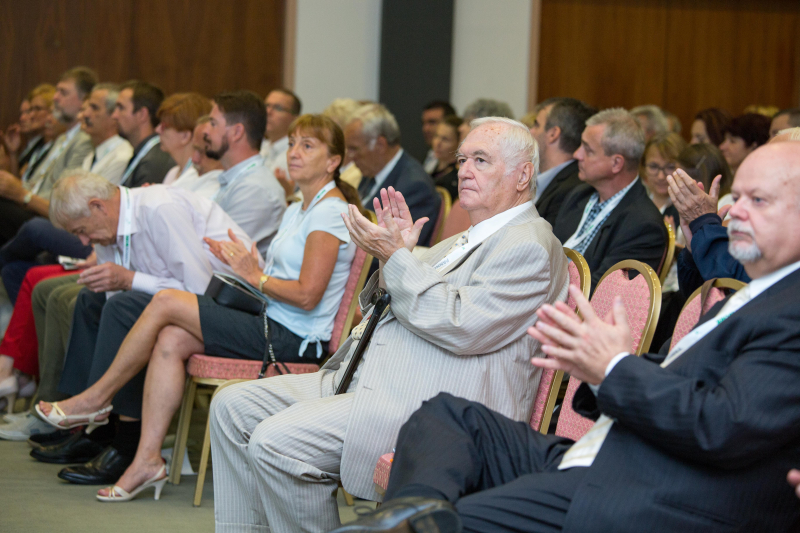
(696, 306)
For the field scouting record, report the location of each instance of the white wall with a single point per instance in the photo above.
(338, 51)
(491, 48)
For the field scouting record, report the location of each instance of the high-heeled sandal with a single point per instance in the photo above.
(8, 390)
(57, 416)
(118, 494)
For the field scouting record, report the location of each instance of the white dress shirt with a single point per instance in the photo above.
(381, 176)
(166, 238)
(206, 185)
(252, 196)
(110, 158)
(430, 162)
(274, 154)
(544, 178)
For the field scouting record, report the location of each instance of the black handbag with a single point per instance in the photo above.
(236, 293)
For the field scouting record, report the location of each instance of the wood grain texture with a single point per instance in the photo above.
(180, 45)
(684, 55)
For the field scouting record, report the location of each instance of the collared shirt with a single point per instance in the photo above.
(430, 162)
(206, 185)
(166, 239)
(596, 211)
(252, 196)
(68, 151)
(544, 178)
(110, 158)
(381, 176)
(274, 154)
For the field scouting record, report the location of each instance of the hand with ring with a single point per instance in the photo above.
(242, 261)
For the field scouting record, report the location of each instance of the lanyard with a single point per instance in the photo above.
(186, 168)
(457, 253)
(239, 173)
(282, 233)
(136, 160)
(35, 156)
(125, 261)
(579, 236)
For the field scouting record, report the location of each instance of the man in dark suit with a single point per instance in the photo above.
(557, 129)
(373, 143)
(609, 218)
(695, 443)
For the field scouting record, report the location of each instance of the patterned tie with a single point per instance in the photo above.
(461, 241)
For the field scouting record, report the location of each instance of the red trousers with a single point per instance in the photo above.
(20, 342)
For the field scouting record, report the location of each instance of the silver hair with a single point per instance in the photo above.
(517, 144)
(340, 110)
(70, 197)
(656, 121)
(111, 96)
(377, 121)
(486, 107)
(623, 134)
(793, 133)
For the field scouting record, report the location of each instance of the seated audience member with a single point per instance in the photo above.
(340, 111)
(709, 126)
(111, 153)
(136, 116)
(651, 119)
(373, 143)
(744, 134)
(283, 106)
(703, 423)
(33, 115)
(445, 145)
(673, 122)
(432, 114)
(177, 118)
(205, 180)
(21, 200)
(784, 119)
(661, 160)
(557, 128)
(480, 108)
(249, 191)
(308, 265)
(457, 323)
(146, 240)
(609, 218)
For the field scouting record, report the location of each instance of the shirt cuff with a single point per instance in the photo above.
(146, 283)
(616, 359)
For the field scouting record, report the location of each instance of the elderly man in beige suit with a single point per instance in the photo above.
(457, 323)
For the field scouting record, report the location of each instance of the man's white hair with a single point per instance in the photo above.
(517, 144)
(377, 121)
(793, 133)
(71, 194)
(623, 134)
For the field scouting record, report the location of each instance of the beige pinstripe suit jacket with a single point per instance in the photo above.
(460, 331)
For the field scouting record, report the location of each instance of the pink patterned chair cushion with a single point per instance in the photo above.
(457, 221)
(382, 470)
(439, 222)
(715, 296)
(636, 297)
(692, 313)
(207, 366)
(347, 299)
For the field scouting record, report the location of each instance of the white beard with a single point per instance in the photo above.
(743, 253)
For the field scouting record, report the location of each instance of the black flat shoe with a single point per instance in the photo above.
(76, 449)
(104, 469)
(50, 439)
(408, 515)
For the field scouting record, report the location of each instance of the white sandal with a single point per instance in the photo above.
(57, 416)
(118, 494)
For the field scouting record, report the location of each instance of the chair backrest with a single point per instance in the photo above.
(669, 254)
(457, 222)
(355, 284)
(550, 382)
(444, 212)
(642, 298)
(691, 312)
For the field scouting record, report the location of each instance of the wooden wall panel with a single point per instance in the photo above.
(201, 45)
(683, 55)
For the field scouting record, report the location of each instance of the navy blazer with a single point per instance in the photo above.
(549, 202)
(418, 189)
(634, 230)
(704, 444)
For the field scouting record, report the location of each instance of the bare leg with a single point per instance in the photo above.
(6, 367)
(163, 391)
(167, 308)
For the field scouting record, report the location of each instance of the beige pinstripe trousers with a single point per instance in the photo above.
(277, 446)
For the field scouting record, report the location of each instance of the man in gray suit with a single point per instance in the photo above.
(457, 324)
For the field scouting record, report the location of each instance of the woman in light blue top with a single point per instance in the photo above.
(308, 265)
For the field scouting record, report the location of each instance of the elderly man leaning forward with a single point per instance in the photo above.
(699, 440)
(457, 323)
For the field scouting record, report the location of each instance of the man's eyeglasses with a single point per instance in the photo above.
(278, 107)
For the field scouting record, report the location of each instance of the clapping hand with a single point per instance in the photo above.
(691, 201)
(235, 254)
(583, 348)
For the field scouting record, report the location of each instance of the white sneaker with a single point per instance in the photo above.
(14, 417)
(23, 428)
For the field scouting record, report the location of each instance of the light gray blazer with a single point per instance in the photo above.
(72, 157)
(461, 331)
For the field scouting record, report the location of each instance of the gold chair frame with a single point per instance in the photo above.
(447, 202)
(670, 255)
(719, 283)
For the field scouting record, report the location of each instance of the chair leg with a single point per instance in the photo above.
(182, 434)
(348, 498)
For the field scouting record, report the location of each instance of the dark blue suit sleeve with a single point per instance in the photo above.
(710, 250)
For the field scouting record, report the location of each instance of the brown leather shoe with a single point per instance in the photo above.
(408, 515)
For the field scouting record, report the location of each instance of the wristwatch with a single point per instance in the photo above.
(27, 198)
(261, 282)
